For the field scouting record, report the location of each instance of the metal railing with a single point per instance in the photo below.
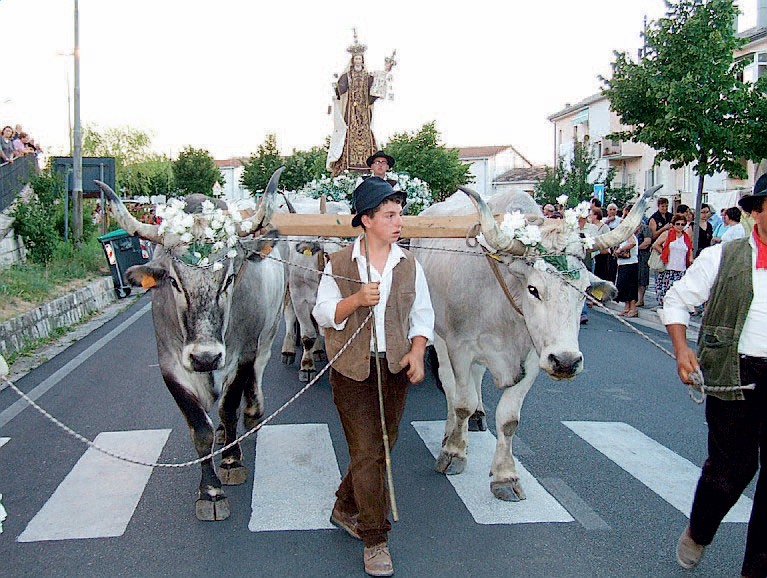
(13, 177)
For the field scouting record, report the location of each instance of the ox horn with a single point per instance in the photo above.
(291, 208)
(494, 235)
(265, 207)
(127, 221)
(628, 225)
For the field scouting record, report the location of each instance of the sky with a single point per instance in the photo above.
(222, 75)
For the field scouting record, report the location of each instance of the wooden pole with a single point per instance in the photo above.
(341, 225)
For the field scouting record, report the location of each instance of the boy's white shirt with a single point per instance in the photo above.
(421, 314)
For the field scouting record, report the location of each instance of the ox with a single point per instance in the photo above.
(214, 328)
(309, 254)
(477, 327)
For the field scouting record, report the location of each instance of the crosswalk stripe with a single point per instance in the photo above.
(473, 485)
(3, 441)
(669, 475)
(99, 495)
(295, 480)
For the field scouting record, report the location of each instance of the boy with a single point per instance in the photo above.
(404, 322)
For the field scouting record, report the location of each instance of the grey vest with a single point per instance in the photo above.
(354, 363)
(723, 321)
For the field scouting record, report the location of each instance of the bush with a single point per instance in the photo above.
(35, 219)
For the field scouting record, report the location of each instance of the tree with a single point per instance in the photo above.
(685, 98)
(128, 146)
(302, 167)
(574, 179)
(261, 165)
(195, 171)
(420, 155)
(154, 177)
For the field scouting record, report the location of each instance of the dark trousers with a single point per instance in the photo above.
(363, 490)
(737, 442)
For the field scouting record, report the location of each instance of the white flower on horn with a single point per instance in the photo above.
(232, 254)
(217, 266)
(562, 199)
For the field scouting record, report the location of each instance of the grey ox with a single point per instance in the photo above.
(477, 327)
(214, 331)
(307, 258)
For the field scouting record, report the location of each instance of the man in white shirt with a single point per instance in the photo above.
(395, 287)
(732, 355)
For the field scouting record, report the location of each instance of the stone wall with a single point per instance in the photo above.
(61, 312)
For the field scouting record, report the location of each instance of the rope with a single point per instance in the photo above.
(210, 456)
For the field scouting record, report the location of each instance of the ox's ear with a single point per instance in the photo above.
(600, 289)
(147, 276)
(308, 248)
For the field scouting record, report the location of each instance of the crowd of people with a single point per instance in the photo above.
(669, 235)
(15, 143)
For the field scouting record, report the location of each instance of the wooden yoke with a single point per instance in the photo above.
(413, 227)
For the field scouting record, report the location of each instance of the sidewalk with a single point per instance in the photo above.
(649, 313)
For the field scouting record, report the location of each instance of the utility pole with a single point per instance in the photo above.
(77, 153)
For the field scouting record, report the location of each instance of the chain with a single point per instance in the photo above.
(210, 456)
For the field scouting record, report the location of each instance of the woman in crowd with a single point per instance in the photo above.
(675, 248)
(600, 259)
(705, 229)
(7, 150)
(627, 255)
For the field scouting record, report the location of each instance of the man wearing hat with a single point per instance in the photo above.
(373, 272)
(732, 355)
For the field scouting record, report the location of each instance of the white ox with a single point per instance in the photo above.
(214, 328)
(476, 327)
(307, 261)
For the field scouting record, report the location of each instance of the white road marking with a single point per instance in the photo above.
(669, 475)
(3, 441)
(295, 478)
(473, 485)
(20, 405)
(100, 494)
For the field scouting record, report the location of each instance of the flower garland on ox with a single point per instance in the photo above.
(206, 234)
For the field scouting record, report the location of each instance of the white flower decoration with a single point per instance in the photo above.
(562, 199)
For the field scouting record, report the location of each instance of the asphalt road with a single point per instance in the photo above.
(607, 455)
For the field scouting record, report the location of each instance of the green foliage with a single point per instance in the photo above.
(35, 218)
(152, 177)
(128, 146)
(303, 167)
(195, 171)
(684, 97)
(37, 282)
(421, 156)
(262, 164)
(571, 179)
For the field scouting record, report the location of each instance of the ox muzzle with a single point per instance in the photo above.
(203, 357)
(562, 364)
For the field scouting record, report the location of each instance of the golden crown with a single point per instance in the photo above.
(356, 48)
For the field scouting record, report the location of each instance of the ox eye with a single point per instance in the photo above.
(228, 282)
(174, 284)
(533, 291)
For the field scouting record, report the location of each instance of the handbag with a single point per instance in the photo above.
(655, 262)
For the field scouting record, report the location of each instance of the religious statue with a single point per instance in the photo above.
(352, 141)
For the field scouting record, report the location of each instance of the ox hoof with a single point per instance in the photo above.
(306, 375)
(508, 491)
(232, 473)
(478, 421)
(288, 358)
(220, 436)
(450, 464)
(212, 511)
(319, 355)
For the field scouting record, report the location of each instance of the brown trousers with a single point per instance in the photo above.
(363, 490)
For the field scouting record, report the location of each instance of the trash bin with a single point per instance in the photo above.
(123, 251)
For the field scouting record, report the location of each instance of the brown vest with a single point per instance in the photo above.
(354, 363)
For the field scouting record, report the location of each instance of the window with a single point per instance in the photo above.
(757, 68)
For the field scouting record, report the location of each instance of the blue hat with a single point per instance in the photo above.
(750, 202)
(368, 195)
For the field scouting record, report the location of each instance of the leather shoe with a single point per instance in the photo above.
(688, 552)
(346, 522)
(378, 560)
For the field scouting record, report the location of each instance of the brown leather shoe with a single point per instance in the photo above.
(688, 552)
(378, 560)
(346, 522)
